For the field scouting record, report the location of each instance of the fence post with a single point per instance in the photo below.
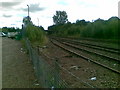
(38, 49)
(56, 76)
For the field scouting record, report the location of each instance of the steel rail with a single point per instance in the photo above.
(108, 57)
(98, 48)
(84, 57)
(77, 78)
(108, 49)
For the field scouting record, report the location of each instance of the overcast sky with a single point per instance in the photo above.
(13, 11)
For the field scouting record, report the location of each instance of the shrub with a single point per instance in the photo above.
(36, 35)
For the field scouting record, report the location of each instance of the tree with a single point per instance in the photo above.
(81, 22)
(27, 20)
(60, 17)
(9, 29)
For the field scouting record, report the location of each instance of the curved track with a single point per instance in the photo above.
(61, 45)
(94, 46)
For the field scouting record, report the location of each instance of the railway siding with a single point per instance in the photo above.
(88, 57)
(93, 45)
(86, 69)
(95, 52)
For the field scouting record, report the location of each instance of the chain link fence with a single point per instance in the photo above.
(48, 77)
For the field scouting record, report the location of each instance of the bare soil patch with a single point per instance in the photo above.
(17, 70)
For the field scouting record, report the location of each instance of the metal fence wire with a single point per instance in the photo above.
(48, 77)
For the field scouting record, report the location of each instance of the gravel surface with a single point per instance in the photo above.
(17, 70)
(81, 68)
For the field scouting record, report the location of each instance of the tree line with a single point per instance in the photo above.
(99, 29)
(10, 29)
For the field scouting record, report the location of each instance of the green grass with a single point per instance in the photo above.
(36, 35)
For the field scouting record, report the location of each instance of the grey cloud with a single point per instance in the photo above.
(33, 8)
(9, 4)
(7, 15)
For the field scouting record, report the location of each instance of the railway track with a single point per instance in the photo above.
(97, 40)
(87, 50)
(61, 45)
(99, 52)
(103, 48)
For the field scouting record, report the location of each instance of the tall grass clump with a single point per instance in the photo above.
(36, 35)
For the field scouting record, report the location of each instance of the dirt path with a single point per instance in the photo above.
(17, 71)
